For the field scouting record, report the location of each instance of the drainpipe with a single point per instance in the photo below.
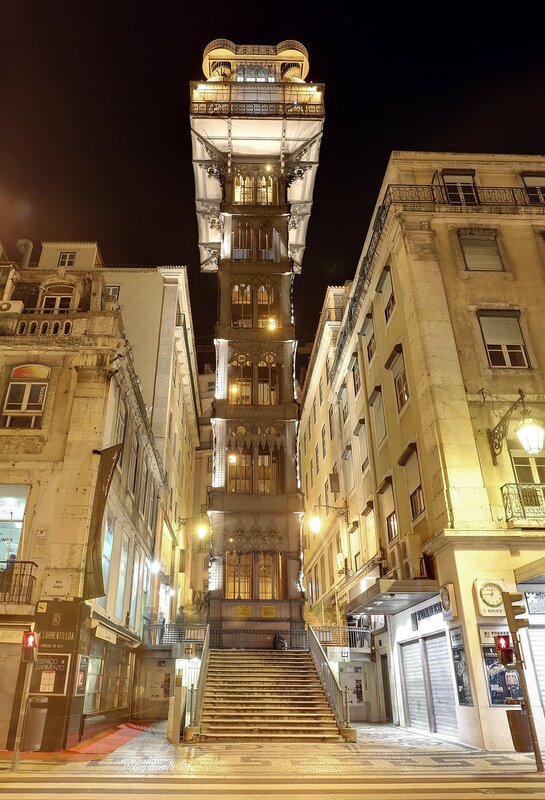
(25, 248)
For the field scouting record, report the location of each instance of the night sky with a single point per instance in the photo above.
(94, 128)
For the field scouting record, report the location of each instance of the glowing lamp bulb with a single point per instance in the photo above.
(232, 459)
(155, 567)
(315, 524)
(271, 323)
(530, 433)
(202, 530)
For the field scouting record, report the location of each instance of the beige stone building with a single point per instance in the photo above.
(76, 558)
(156, 310)
(441, 328)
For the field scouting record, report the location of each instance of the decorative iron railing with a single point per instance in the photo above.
(524, 501)
(17, 580)
(328, 679)
(237, 108)
(157, 635)
(256, 639)
(425, 197)
(338, 636)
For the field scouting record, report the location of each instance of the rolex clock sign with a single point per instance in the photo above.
(488, 599)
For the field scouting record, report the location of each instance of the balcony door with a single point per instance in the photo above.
(530, 476)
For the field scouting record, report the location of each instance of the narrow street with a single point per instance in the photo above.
(386, 762)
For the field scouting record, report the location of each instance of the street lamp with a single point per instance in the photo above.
(315, 522)
(529, 431)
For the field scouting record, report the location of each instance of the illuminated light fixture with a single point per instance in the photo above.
(271, 323)
(315, 522)
(171, 592)
(156, 567)
(232, 458)
(234, 389)
(268, 167)
(202, 530)
(529, 431)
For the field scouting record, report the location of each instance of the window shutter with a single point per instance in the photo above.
(502, 329)
(413, 473)
(367, 328)
(385, 284)
(388, 501)
(481, 253)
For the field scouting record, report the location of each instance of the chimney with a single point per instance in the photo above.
(25, 248)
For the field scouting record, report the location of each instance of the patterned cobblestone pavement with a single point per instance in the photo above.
(380, 750)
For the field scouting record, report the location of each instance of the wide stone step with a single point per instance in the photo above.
(269, 737)
(257, 717)
(266, 727)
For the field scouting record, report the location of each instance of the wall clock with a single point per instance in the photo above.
(488, 597)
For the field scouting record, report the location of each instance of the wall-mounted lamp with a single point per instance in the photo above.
(315, 522)
(530, 432)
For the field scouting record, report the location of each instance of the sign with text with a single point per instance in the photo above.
(50, 674)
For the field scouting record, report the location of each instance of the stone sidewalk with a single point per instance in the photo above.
(380, 750)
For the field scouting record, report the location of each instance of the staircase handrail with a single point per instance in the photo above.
(328, 679)
(201, 683)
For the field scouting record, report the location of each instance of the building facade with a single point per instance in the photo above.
(256, 128)
(441, 329)
(80, 483)
(163, 350)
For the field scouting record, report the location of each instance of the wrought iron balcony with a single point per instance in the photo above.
(17, 580)
(257, 100)
(524, 503)
(157, 635)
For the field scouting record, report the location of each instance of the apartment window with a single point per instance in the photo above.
(120, 428)
(169, 430)
(107, 548)
(326, 496)
(389, 511)
(385, 287)
(306, 485)
(209, 464)
(67, 258)
(356, 376)
(311, 473)
(133, 464)
(503, 339)
(331, 423)
(305, 443)
(527, 469)
(321, 390)
(113, 291)
(377, 404)
(361, 433)
(241, 306)
(270, 576)
(460, 187)
(343, 399)
(143, 489)
(25, 396)
(317, 459)
(308, 429)
(122, 578)
(314, 411)
(269, 472)
(414, 485)
(327, 369)
(57, 299)
(348, 469)
(480, 250)
(322, 574)
(396, 364)
(368, 331)
(323, 441)
(534, 184)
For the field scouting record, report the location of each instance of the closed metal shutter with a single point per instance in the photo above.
(415, 692)
(537, 642)
(442, 691)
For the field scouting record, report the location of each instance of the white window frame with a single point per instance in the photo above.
(67, 258)
(21, 410)
(505, 351)
(481, 251)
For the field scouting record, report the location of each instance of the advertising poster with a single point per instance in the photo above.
(503, 684)
(461, 669)
(50, 674)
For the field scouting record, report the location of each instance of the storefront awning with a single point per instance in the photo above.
(531, 573)
(387, 596)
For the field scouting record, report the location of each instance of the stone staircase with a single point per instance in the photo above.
(265, 695)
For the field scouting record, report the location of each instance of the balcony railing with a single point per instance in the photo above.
(524, 502)
(256, 639)
(425, 197)
(237, 108)
(157, 635)
(338, 636)
(17, 579)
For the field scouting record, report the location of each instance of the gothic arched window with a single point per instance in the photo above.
(241, 306)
